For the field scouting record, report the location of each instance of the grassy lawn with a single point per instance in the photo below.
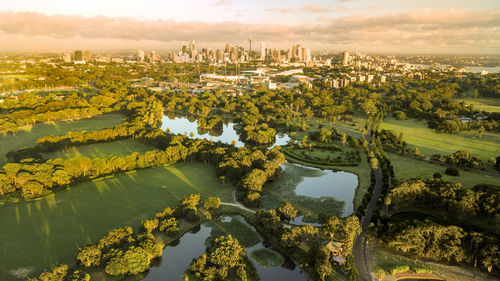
(101, 150)
(417, 134)
(407, 167)
(29, 136)
(45, 232)
(485, 104)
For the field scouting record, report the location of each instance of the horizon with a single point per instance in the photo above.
(428, 27)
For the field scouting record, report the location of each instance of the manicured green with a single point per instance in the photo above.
(101, 150)
(408, 167)
(42, 233)
(485, 104)
(267, 258)
(428, 141)
(29, 135)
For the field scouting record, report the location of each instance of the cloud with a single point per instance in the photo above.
(418, 31)
(223, 3)
(281, 10)
(315, 9)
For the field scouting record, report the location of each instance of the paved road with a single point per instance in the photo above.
(362, 254)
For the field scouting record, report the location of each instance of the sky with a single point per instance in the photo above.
(383, 26)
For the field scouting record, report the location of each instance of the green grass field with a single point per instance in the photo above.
(408, 167)
(101, 150)
(485, 104)
(28, 137)
(42, 233)
(417, 134)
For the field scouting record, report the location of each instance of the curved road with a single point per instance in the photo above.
(362, 254)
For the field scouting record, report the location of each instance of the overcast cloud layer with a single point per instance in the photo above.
(426, 31)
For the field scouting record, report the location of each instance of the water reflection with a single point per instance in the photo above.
(176, 258)
(189, 125)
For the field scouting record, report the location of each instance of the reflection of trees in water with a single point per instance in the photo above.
(282, 189)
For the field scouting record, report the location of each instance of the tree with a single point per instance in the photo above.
(78, 275)
(136, 260)
(452, 171)
(150, 225)
(287, 212)
(331, 226)
(211, 203)
(89, 255)
(374, 163)
(480, 132)
(475, 94)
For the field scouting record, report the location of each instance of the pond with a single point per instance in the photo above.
(182, 125)
(312, 191)
(176, 258)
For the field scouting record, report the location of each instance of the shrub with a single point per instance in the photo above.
(399, 269)
(452, 171)
(400, 115)
(437, 176)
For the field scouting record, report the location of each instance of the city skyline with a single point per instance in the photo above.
(386, 26)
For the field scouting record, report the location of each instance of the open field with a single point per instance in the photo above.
(408, 167)
(29, 136)
(45, 232)
(417, 134)
(101, 150)
(485, 104)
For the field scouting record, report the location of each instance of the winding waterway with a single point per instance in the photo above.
(177, 258)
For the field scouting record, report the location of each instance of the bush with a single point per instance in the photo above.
(452, 171)
(400, 115)
(437, 176)
(399, 269)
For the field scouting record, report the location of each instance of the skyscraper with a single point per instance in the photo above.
(87, 55)
(345, 61)
(263, 50)
(192, 47)
(307, 55)
(78, 55)
(140, 55)
(67, 57)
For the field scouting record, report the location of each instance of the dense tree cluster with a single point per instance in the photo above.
(144, 115)
(225, 259)
(444, 243)
(449, 198)
(28, 109)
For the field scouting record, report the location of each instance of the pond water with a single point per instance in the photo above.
(337, 184)
(177, 258)
(315, 190)
(182, 125)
